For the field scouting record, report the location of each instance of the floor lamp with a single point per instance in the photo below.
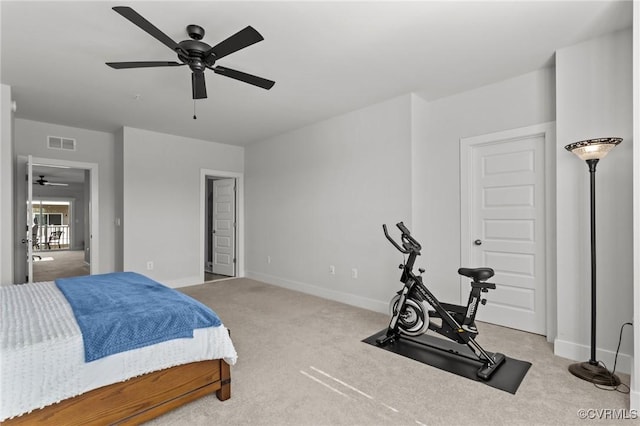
(592, 151)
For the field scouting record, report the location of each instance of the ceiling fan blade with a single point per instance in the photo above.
(56, 184)
(146, 26)
(143, 64)
(243, 38)
(198, 85)
(244, 77)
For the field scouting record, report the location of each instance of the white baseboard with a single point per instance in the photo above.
(338, 296)
(579, 352)
(183, 282)
(634, 400)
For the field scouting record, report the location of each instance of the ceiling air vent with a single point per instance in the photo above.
(55, 142)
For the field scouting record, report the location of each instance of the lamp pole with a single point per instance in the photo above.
(592, 175)
(592, 151)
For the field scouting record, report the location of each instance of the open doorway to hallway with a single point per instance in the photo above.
(220, 228)
(57, 216)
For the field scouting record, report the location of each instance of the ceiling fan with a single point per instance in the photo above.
(43, 182)
(197, 54)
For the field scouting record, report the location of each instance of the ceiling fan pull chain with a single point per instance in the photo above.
(194, 110)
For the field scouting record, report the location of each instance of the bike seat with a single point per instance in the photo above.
(477, 274)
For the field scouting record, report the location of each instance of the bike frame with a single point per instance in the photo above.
(450, 328)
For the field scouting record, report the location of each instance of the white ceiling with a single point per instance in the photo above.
(327, 58)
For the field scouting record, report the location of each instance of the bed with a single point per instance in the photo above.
(46, 378)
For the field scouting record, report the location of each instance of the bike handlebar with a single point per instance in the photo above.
(396, 245)
(409, 244)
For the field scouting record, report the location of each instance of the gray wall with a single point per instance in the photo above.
(518, 102)
(318, 196)
(161, 201)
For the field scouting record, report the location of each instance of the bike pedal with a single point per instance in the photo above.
(487, 370)
(384, 341)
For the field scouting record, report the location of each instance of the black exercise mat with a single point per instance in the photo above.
(507, 378)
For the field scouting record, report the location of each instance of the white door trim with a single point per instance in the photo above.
(547, 130)
(204, 173)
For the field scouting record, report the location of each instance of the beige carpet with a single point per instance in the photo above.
(302, 362)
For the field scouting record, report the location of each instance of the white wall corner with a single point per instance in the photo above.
(634, 395)
(6, 186)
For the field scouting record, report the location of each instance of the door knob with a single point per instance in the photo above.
(478, 242)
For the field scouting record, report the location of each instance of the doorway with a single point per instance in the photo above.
(505, 192)
(57, 205)
(222, 255)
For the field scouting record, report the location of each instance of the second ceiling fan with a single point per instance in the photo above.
(195, 53)
(43, 182)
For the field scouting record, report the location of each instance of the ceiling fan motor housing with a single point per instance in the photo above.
(195, 54)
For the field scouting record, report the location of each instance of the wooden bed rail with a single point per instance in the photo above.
(138, 399)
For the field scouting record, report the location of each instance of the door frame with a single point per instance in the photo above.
(239, 229)
(94, 210)
(548, 131)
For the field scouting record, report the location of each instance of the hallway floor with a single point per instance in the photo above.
(59, 264)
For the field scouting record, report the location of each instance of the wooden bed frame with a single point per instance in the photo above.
(138, 399)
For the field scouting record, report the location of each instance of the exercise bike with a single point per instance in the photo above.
(414, 309)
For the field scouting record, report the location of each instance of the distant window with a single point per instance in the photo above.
(53, 218)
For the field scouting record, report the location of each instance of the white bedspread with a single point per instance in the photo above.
(42, 354)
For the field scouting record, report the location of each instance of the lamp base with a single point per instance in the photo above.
(594, 373)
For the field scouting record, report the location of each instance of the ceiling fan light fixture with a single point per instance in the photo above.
(196, 32)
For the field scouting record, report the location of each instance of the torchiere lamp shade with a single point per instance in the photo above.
(593, 149)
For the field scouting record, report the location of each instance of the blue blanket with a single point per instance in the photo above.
(124, 310)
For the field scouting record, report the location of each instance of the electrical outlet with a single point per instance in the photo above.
(332, 269)
(354, 273)
(150, 265)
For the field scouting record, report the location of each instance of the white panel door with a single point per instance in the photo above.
(503, 217)
(224, 213)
